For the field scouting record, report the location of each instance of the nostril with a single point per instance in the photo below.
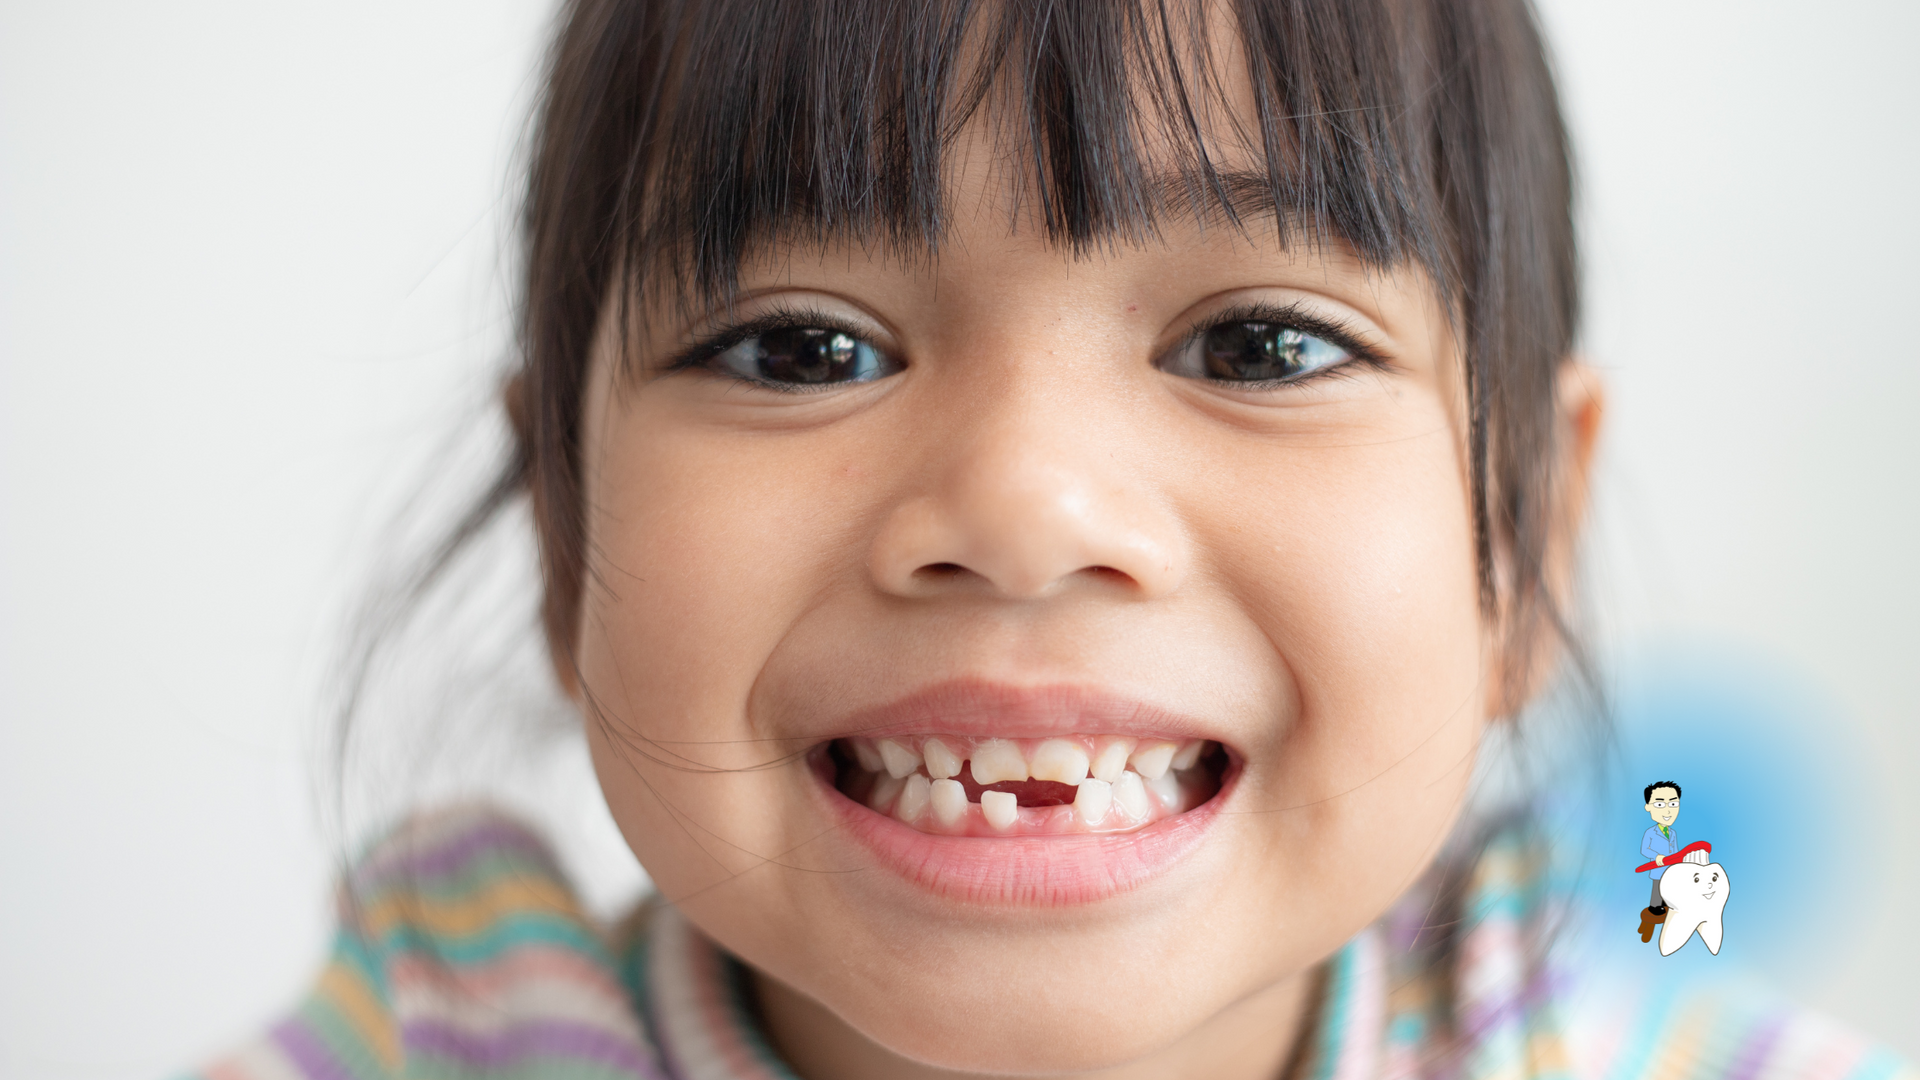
(940, 576)
(945, 572)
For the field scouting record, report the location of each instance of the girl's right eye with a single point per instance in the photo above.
(796, 357)
(1254, 350)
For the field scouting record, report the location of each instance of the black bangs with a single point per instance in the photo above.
(821, 120)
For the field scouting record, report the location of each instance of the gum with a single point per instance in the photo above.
(964, 746)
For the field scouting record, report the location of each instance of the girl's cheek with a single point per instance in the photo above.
(700, 552)
(1357, 565)
(689, 570)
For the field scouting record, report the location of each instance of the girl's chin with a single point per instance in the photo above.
(1059, 821)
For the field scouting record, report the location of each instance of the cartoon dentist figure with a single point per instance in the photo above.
(1659, 843)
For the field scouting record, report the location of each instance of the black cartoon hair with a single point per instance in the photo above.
(1647, 796)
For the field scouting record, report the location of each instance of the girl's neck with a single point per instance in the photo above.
(1253, 1039)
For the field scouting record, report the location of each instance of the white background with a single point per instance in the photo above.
(250, 271)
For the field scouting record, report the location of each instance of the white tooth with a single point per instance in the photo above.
(868, 757)
(1112, 758)
(884, 789)
(995, 760)
(941, 762)
(1001, 809)
(1131, 794)
(1188, 755)
(1166, 788)
(949, 801)
(1059, 760)
(1696, 897)
(900, 760)
(1152, 759)
(914, 798)
(1091, 802)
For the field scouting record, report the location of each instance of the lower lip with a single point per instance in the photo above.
(1054, 871)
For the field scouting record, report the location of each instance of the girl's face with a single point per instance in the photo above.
(1063, 517)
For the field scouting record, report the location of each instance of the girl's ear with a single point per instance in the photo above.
(1533, 650)
(513, 400)
(1582, 400)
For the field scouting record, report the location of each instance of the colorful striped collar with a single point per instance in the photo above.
(463, 954)
(698, 1005)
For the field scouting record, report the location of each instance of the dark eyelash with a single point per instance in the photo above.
(1297, 317)
(709, 345)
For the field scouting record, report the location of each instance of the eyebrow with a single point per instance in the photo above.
(1250, 199)
(1222, 195)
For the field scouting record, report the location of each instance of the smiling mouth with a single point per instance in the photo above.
(1073, 785)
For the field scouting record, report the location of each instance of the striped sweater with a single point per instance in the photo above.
(463, 955)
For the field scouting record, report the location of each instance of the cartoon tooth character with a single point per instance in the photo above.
(1696, 896)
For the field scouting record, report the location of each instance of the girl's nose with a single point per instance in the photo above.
(1022, 507)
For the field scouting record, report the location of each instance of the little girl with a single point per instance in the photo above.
(1039, 504)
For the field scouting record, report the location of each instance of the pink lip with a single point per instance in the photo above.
(974, 707)
(1022, 871)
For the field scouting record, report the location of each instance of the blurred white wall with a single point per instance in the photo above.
(249, 259)
(248, 252)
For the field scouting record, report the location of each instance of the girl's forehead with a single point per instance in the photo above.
(992, 215)
(1225, 232)
(1100, 127)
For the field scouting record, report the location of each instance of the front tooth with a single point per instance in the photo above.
(1166, 788)
(995, 760)
(914, 798)
(1112, 758)
(1091, 802)
(949, 801)
(941, 762)
(1189, 755)
(868, 757)
(1131, 793)
(884, 789)
(1151, 759)
(1059, 760)
(1001, 809)
(900, 761)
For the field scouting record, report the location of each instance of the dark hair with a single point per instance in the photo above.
(1647, 795)
(673, 135)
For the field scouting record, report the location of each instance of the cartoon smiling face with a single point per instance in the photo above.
(1663, 805)
(1695, 896)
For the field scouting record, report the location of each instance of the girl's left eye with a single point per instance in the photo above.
(803, 356)
(1253, 351)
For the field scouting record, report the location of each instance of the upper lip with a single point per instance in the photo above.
(995, 710)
